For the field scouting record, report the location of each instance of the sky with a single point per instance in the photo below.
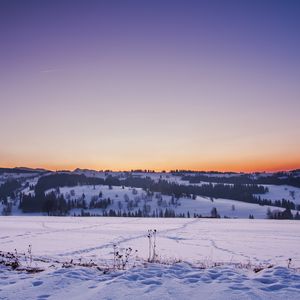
(201, 85)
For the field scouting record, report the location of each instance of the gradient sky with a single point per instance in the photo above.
(150, 84)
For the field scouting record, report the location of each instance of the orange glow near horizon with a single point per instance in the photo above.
(225, 167)
(126, 87)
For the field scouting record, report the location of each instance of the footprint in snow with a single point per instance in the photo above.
(274, 287)
(265, 280)
(214, 275)
(92, 287)
(239, 288)
(37, 283)
(150, 282)
(43, 297)
(191, 280)
(297, 286)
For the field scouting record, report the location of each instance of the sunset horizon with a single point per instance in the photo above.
(160, 85)
(71, 168)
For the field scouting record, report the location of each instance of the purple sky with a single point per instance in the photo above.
(150, 84)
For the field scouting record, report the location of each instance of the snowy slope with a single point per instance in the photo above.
(237, 245)
(201, 205)
(279, 192)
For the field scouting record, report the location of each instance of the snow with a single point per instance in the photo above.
(235, 245)
(200, 205)
(279, 192)
(155, 282)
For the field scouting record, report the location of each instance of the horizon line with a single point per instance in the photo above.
(69, 169)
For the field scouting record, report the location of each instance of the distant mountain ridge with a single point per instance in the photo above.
(23, 170)
(85, 170)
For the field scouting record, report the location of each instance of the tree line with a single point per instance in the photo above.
(275, 179)
(8, 189)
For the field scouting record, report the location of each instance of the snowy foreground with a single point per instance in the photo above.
(198, 258)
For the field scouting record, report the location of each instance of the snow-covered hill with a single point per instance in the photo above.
(132, 199)
(278, 192)
(126, 199)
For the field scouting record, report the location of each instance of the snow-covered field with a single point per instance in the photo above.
(236, 246)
